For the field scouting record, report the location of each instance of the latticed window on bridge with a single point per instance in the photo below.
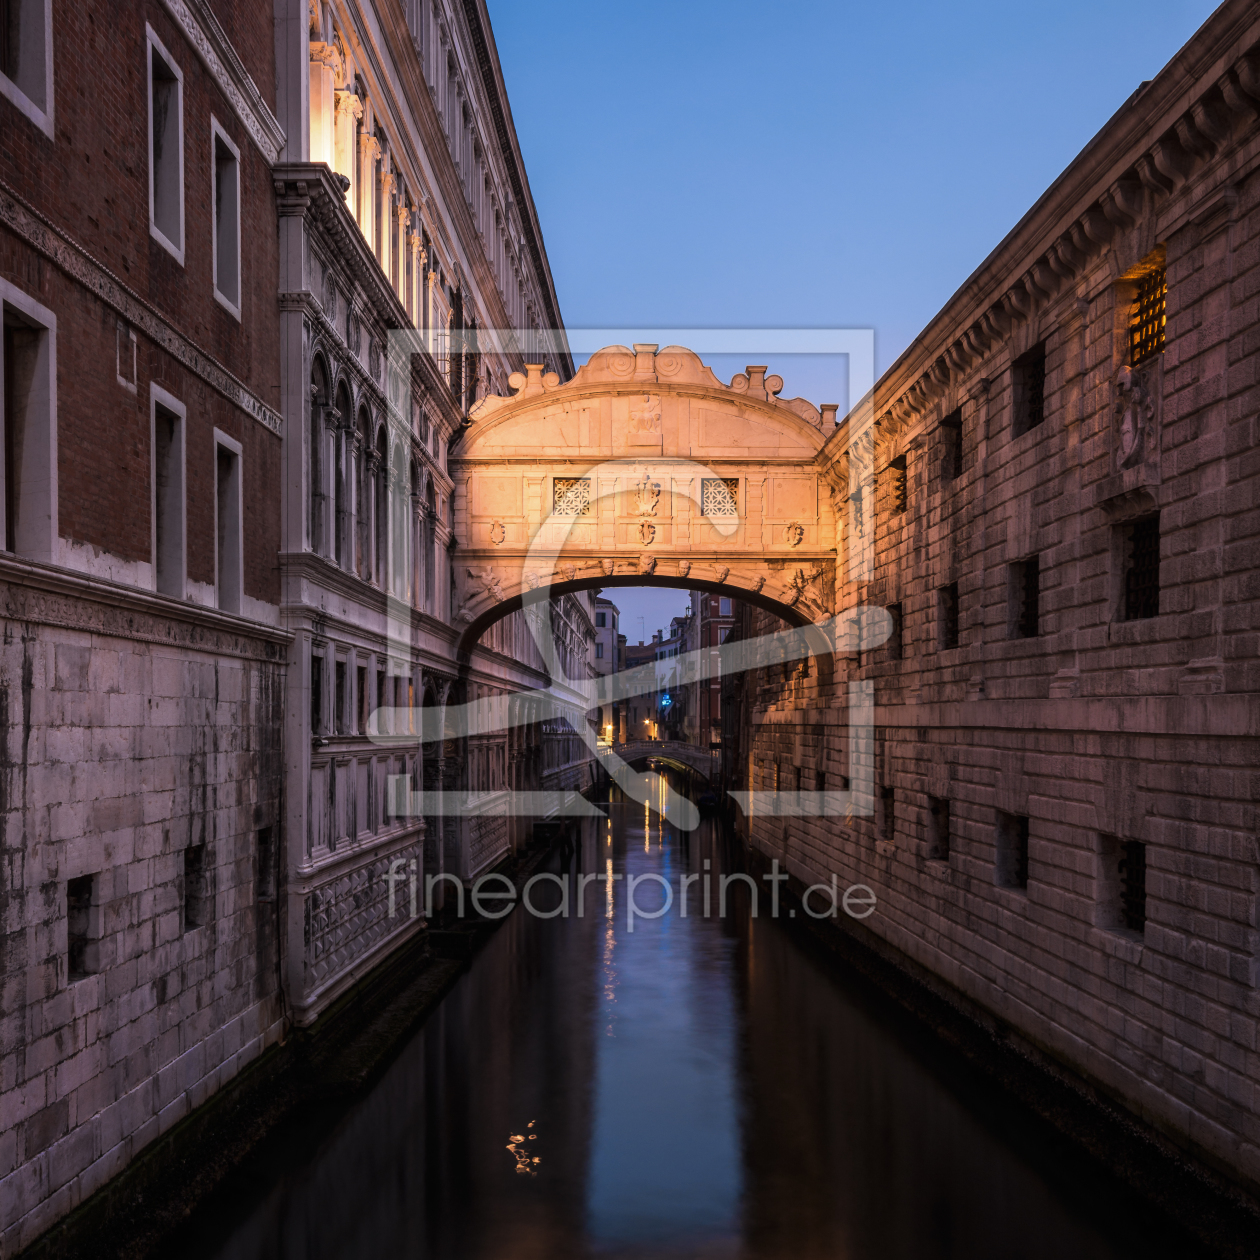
(719, 496)
(571, 496)
(1140, 541)
(1146, 323)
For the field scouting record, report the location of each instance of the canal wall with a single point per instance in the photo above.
(1061, 820)
(140, 800)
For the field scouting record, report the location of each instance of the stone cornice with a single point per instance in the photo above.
(49, 595)
(1165, 152)
(40, 234)
(209, 40)
(308, 189)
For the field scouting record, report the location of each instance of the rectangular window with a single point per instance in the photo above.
(952, 445)
(125, 350)
(229, 559)
(719, 496)
(938, 828)
(29, 420)
(360, 691)
(1122, 884)
(1148, 316)
(947, 616)
(227, 220)
(887, 815)
(339, 697)
(896, 480)
(599, 651)
(1139, 541)
(1023, 599)
(168, 505)
(266, 847)
(166, 149)
(571, 496)
(601, 620)
(82, 928)
(1012, 850)
(382, 723)
(1028, 389)
(197, 895)
(894, 638)
(724, 607)
(26, 59)
(317, 693)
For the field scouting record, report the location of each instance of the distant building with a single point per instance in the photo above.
(712, 617)
(606, 662)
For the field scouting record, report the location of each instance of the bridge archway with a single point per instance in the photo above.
(643, 470)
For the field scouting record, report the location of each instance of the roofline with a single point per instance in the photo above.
(478, 18)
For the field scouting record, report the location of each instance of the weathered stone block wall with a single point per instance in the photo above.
(128, 738)
(1097, 729)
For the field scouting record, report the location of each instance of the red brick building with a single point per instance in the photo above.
(141, 671)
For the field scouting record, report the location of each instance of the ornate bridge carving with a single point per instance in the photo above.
(643, 469)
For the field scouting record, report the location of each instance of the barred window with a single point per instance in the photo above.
(1149, 315)
(571, 496)
(1140, 541)
(947, 615)
(719, 496)
(1028, 379)
(896, 474)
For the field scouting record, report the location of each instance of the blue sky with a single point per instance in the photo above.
(728, 164)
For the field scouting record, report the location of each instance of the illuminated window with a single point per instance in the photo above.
(1149, 315)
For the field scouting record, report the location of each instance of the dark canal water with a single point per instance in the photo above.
(693, 1088)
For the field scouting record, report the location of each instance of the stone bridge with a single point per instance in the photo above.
(644, 469)
(669, 751)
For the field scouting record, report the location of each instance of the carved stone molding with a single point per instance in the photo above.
(26, 222)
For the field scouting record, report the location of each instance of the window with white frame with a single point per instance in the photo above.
(227, 219)
(229, 560)
(26, 59)
(28, 421)
(169, 512)
(166, 148)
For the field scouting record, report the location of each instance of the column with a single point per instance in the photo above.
(369, 151)
(345, 129)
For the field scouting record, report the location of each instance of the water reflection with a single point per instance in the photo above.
(696, 1088)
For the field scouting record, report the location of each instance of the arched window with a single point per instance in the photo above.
(382, 508)
(341, 489)
(363, 497)
(430, 546)
(314, 462)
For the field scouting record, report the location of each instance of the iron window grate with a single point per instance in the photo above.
(1141, 578)
(1149, 316)
(897, 494)
(1029, 593)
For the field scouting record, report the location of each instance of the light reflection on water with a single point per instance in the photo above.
(700, 1088)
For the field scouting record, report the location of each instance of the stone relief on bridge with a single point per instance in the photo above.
(557, 485)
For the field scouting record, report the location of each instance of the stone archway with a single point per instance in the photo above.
(642, 468)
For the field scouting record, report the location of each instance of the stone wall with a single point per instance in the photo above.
(1106, 739)
(139, 812)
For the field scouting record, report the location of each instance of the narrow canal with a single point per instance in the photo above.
(694, 1087)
